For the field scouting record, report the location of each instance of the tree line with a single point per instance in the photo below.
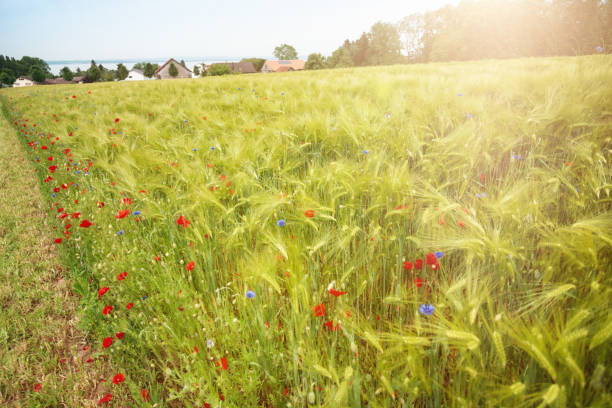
(11, 69)
(480, 29)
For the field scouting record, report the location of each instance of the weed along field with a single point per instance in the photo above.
(401, 236)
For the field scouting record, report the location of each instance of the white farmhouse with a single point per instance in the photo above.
(24, 81)
(136, 75)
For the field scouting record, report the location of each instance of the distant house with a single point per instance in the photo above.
(236, 67)
(163, 72)
(136, 75)
(57, 81)
(24, 81)
(283, 65)
(78, 79)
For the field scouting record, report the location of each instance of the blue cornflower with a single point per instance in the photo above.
(517, 156)
(239, 89)
(477, 195)
(144, 297)
(186, 121)
(282, 93)
(439, 254)
(250, 294)
(366, 152)
(468, 115)
(195, 149)
(577, 189)
(281, 223)
(120, 232)
(212, 148)
(78, 172)
(599, 49)
(427, 310)
(53, 195)
(252, 90)
(136, 212)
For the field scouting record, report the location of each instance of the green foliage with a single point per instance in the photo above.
(15, 68)
(93, 73)
(219, 69)
(122, 72)
(384, 45)
(37, 74)
(503, 166)
(66, 73)
(285, 52)
(149, 69)
(315, 61)
(196, 70)
(341, 58)
(257, 62)
(173, 70)
(7, 78)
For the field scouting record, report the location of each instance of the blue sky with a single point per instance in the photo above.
(108, 29)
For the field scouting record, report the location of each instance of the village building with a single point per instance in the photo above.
(283, 65)
(236, 67)
(136, 75)
(24, 81)
(57, 81)
(163, 72)
(78, 79)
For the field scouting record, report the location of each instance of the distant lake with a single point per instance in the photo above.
(56, 66)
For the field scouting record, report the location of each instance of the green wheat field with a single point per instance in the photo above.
(403, 236)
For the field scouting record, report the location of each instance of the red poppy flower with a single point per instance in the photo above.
(50, 158)
(122, 213)
(37, 387)
(182, 221)
(102, 291)
(145, 395)
(119, 378)
(430, 258)
(100, 204)
(336, 293)
(206, 405)
(418, 264)
(52, 168)
(58, 241)
(157, 258)
(107, 342)
(195, 349)
(461, 223)
(222, 363)
(330, 325)
(119, 335)
(85, 224)
(106, 398)
(309, 213)
(122, 276)
(441, 221)
(319, 310)
(116, 120)
(408, 266)
(418, 282)
(107, 310)
(190, 266)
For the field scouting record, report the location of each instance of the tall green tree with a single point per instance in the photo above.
(315, 61)
(285, 52)
(196, 70)
(122, 72)
(361, 51)
(6, 78)
(66, 73)
(384, 45)
(93, 73)
(173, 70)
(149, 69)
(37, 74)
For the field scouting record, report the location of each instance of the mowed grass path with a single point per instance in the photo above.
(43, 357)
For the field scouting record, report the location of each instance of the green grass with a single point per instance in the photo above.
(523, 290)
